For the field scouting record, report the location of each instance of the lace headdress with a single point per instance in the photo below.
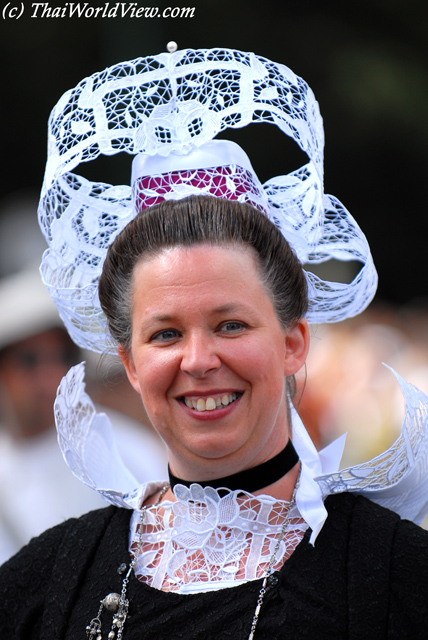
(166, 110)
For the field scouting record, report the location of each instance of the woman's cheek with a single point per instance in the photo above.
(157, 369)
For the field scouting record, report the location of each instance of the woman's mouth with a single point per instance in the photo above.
(211, 402)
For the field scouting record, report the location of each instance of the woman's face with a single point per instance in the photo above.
(209, 358)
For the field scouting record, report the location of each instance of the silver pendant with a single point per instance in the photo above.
(114, 603)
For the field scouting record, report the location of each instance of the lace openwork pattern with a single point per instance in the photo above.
(231, 182)
(204, 541)
(174, 103)
(403, 465)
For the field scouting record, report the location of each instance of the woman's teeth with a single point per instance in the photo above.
(210, 403)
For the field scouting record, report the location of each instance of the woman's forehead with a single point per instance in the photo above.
(221, 274)
(202, 258)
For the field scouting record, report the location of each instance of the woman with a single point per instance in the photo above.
(207, 303)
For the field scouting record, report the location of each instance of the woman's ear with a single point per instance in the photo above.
(129, 365)
(297, 340)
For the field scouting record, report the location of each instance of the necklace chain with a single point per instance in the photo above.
(263, 588)
(114, 602)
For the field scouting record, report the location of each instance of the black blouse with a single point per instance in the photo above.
(365, 578)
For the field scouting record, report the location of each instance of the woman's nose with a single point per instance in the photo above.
(199, 356)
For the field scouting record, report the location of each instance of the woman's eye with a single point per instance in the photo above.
(167, 335)
(232, 327)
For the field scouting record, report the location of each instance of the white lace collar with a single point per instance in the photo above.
(204, 541)
(397, 479)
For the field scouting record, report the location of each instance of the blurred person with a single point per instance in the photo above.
(36, 488)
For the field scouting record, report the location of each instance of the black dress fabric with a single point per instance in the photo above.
(366, 578)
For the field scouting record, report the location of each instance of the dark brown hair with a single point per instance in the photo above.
(200, 220)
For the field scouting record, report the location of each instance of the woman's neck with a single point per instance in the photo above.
(275, 477)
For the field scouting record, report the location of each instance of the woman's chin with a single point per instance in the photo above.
(212, 457)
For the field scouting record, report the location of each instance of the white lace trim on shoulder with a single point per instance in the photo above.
(397, 479)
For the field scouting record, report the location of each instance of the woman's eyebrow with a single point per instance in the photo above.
(233, 307)
(223, 309)
(227, 308)
(164, 317)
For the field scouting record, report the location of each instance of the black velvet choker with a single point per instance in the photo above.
(249, 480)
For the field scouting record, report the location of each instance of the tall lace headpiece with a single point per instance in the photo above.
(166, 110)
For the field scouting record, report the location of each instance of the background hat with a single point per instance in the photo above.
(26, 308)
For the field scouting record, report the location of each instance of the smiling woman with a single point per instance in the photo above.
(208, 351)
(201, 291)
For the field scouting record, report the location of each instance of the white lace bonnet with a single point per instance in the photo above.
(166, 110)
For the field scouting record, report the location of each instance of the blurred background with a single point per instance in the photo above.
(367, 63)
